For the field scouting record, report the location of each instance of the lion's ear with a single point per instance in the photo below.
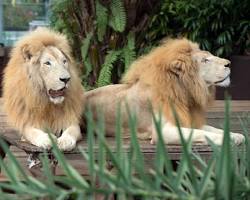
(177, 67)
(26, 51)
(30, 50)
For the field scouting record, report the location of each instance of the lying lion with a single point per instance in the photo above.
(176, 74)
(42, 90)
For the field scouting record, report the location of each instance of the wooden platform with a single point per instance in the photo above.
(215, 117)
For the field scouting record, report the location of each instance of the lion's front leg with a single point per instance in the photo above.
(237, 138)
(212, 129)
(38, 137)
(67, 141)
(171, 135)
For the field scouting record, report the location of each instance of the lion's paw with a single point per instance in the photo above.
(237, 138)
(44, 141)
(66, 142)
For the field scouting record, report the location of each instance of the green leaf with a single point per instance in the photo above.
(161, 147)
(91, 143)
(84, 53)
(106, 71)
(186, 146)
(207, 176)
(100, 128)
(66, 167)
(129, 53)
(88, 67)
(118, 15)
(85, 45)
(16, 164)
(101, 19)
(225, 169)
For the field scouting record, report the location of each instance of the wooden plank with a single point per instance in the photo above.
(215, 117)
(145, 145)
(79, 163)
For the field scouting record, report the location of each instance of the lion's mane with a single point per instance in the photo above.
(25, 100)
(173, 77)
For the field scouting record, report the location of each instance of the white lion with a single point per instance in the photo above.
(177, 74)
(42, 90)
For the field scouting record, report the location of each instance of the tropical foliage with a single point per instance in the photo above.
(226, 175)
(104, 35)
(222, 27)
(108, 35)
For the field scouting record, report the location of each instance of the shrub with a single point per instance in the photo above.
(104, 34)
(222, 27)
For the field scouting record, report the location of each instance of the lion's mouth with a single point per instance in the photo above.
(220, 81)
(57, 93)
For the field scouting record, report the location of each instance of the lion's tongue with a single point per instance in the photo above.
(56, 93)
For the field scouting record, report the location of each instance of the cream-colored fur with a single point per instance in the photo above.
(177, 74)
(42, 90)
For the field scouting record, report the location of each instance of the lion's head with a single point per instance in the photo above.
(213, 70)
(41, 77)
(53, 72)
(48, 66)
(181, 74)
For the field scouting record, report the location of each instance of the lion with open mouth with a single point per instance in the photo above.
(177, 74)
(42, 90)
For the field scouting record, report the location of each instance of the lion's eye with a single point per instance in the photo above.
(205, 60)
(47, 63)
(64, 61)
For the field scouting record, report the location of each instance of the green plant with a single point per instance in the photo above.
(226, 175)
(105, 35)
(218, 26)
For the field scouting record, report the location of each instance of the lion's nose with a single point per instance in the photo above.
(227, 65)
(65, 80)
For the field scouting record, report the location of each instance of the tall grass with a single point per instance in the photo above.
(226, 175)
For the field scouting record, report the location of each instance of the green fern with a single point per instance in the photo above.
(101, 19)
(118, 16)
(129, 53)
(85, 45)
(88, 67)
(84, 52)
(106, 70)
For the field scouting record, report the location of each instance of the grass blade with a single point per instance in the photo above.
(68, 169)
(186, 146)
